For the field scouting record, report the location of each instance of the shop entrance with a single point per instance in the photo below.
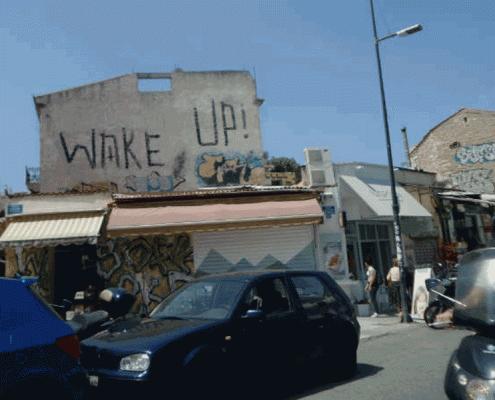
(371, 240)
(68, 272)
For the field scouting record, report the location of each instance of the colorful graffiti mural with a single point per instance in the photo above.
(480, 153)
(35, 261)
(149, 267)
(219, 169)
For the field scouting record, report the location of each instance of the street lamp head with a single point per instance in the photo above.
(410, 30)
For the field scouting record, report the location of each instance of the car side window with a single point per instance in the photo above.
(316, 297)
(269, 295)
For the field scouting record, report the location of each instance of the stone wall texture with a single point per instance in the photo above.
(461, 150)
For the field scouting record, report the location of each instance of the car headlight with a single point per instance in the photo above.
(135, 362)
(479, 390)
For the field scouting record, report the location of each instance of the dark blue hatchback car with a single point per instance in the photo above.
(39, 352)
(241, 327)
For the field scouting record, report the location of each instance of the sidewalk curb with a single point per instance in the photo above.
(379, 327)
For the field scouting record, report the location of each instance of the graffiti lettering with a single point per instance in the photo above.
(70, 156)
(151, 183)
(228, 120)
(243, 113)
(110, 151)
(475, 180)
(224, 118)
(127, 149)
(149, 151)
(476, 154)
(198, 129)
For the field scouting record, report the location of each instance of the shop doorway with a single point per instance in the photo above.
(370, 240)
(68, 273)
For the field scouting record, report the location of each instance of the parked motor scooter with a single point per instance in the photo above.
(471, 369)
(115, 303)
(443, 292)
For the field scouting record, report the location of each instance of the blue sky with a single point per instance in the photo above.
(314, 64)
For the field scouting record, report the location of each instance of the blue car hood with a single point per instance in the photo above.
(146, 334)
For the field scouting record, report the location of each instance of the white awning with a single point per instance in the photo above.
(377, 195)
(52, 230)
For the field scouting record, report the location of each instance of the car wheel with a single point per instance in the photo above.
(208, 378)
(347, 365)
(431, 313)
(341, 362)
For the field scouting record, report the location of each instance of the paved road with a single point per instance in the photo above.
(407, 365)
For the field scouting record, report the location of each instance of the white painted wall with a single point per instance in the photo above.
(204, 131)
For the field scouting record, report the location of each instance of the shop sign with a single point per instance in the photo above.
(329, 211)
(14, 209)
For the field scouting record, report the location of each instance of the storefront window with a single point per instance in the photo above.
(374, 242)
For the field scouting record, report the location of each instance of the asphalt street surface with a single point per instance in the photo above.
(407, 363)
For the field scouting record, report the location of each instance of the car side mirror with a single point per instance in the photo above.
(254, 314)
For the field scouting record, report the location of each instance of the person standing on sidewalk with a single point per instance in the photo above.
(372, 286)
(393, 280)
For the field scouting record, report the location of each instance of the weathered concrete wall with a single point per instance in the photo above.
(204, 131)
(461, 151)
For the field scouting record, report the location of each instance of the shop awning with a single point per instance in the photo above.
(52, 230)
(212, 217)
(378, 197)
(485, 200)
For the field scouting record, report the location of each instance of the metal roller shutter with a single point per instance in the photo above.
(270, 248)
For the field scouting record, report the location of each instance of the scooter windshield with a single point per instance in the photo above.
(475, 290)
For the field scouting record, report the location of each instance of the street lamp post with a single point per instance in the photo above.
(395, 203)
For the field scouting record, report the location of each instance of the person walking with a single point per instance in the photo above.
(393, 280)
(372, 286)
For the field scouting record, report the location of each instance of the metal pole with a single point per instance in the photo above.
(406, 146)
(395, 203)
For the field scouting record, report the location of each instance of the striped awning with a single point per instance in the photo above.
(52, 230)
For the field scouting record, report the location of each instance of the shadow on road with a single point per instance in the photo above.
(313, 385)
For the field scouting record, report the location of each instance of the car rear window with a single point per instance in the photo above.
(316, 297)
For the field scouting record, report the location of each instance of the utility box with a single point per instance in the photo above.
(319, 166)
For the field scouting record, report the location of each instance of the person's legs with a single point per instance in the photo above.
(397, 300)
(374, 304)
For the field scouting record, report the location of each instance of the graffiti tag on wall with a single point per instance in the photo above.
(228, 124)
(475, 180)
(218, 169)
(476, 154)
(150, 267)
(113, 149)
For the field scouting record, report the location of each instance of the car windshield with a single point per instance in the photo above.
(208, 299)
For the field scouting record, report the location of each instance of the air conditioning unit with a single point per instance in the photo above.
(319, 166)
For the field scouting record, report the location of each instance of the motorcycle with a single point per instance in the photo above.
(443, 291)
(114, 304)
(471, 369)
